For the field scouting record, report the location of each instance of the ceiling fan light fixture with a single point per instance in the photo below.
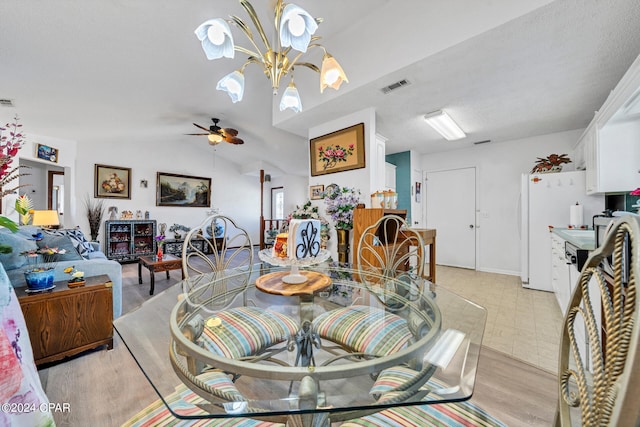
(233, 84)
(291, 99)
(444, 125)
(216, 38)
(214, 138)
(331, 75)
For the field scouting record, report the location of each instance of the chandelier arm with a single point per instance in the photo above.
(308, 65)
(247, 32)
(292, 63)
(247, 51)
(256, 22)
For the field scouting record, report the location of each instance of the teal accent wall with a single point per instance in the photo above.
(403, 180)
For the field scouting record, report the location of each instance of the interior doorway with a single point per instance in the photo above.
(451, 210)
(55, 194)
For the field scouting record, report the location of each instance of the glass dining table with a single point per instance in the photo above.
(332, 365)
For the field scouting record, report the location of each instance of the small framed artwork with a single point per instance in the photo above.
(45, 152)
(183, 190)
(112, 182)
(338, 151)
(316, 192)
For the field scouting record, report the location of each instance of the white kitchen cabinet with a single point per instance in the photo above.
(560, 281)
(610, 142)
(390, 176)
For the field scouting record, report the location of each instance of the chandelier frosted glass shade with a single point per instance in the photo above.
(233, 84)
(291, 99)
(331, 74)
(296, 28)
(216, 38)
(295, 31)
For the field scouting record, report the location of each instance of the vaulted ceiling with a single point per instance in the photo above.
(97, 71)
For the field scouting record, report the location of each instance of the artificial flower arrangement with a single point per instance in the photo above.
(552, 163)
(49, 257)
(24, 207)
(9, 146)
(160, 240)
(340, 205)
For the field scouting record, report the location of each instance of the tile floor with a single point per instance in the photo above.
(522, 323)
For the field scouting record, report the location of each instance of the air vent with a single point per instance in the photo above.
(396, 85)
(6, 103)
(482, 142)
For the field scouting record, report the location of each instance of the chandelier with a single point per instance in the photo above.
(294, 33)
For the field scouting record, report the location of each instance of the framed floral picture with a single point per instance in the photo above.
(183, 190)
(338, 151)
(112, 182)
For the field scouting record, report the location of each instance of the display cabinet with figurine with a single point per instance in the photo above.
(127, 240)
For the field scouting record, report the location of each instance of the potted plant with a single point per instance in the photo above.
(340, 205)
(39, 276)
(95, 210)
(552, 163)
(179, 231)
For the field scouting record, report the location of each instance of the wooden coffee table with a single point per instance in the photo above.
(154, 265)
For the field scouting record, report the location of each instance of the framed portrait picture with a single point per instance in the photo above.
(183, 190)
(45, 152)
(112, 182)
(338, 151)
(316, 192)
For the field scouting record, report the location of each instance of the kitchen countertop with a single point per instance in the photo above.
(583, 239)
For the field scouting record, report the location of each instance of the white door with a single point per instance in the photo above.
(451, 210)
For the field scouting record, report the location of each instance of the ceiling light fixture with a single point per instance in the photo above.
(294, 30)
(444, 125)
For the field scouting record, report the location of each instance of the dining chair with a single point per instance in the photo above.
(390, 262)
(598, 385)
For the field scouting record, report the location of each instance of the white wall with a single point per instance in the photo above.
(499, 167)
(357, 178)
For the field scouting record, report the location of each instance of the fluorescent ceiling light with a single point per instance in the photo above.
(444, 125)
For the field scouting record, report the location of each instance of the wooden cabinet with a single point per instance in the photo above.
(174, 246)
(363, 218)
(127, 240)
(67, 321)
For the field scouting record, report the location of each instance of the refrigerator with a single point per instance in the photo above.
(546, 200)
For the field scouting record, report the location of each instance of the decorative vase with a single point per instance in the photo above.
(40, 279)
(343, 245)
(160, 253)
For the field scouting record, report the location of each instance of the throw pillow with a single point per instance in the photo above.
(80, 241)
(18, 243)
(60, 242)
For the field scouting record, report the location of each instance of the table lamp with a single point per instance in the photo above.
(45, 219)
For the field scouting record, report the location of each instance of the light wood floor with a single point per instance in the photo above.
(105, 388)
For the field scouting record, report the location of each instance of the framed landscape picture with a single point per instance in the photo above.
(45, 152)
(338, 151)
(112, 182)
(183, 190)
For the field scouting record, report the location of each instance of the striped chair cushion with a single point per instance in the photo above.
(390, 379)
(246, 331)
(364, 329)
(184, 402)
(459, 414)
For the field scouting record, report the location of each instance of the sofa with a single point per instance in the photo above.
(85, 256)
(24, 401)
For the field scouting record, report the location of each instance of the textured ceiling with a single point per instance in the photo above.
(95, 71)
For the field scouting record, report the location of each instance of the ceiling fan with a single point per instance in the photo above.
(216, 134)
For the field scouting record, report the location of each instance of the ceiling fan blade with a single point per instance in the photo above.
(234, 140)
(201, 127)
(230, 131)
(196, 134)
